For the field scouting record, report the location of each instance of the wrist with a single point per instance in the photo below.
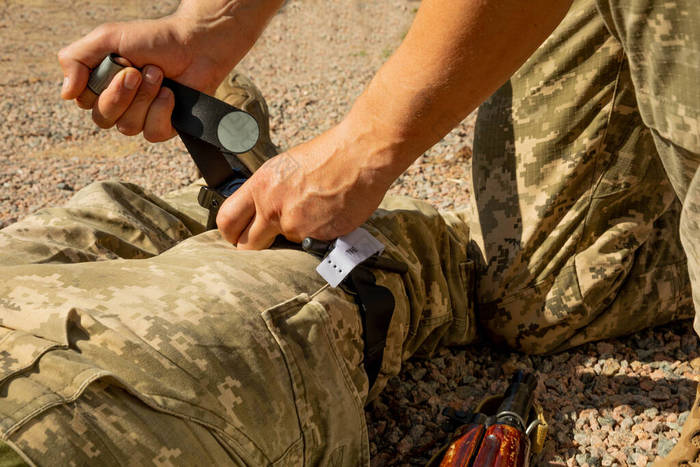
(389, 147)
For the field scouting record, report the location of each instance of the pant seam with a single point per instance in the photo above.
(596, 178)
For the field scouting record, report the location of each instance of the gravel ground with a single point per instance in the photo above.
(617, 402)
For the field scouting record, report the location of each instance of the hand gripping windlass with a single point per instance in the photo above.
(212, 130)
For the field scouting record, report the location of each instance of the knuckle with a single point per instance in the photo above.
(145, 94)
(111, 98)
(63, 56)
(224, 227)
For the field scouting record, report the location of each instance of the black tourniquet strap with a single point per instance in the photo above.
(376, 305)
(212, 130)
(376, 302)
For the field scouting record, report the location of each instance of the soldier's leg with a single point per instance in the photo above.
(574, 215)
(199, 347)
(245, 349)
(662, 43)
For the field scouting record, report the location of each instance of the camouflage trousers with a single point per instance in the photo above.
(129, 335)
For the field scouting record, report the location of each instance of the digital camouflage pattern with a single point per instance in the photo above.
(199, 344)
(576, 221)
(130, 335)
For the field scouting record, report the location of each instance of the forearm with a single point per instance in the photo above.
(219, 21)
(455, 55)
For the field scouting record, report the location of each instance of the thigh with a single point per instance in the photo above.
(568, 191)
(662, 43)
(107, 426)
(236, 342)
(231, 341)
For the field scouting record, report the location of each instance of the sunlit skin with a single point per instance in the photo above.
(456, 54)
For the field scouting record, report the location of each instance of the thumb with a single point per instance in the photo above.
(80, 57)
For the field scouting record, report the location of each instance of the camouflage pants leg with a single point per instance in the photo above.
(127, 339)
(662, 44)
(574, 215)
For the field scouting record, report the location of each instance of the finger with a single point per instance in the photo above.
(86, 100)
(259, 234)
(157, 126)
(114, 101)
(132, 121)
(235, 215)
(79, 58)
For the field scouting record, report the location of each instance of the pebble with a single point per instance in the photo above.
(664, 445)
(640, 460)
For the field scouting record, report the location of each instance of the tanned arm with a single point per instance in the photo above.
(456, 54)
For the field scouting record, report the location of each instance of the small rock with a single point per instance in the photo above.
(581, 438)
(606, 421)
(640, 460)
(605, 348)
(623, 411)
(647, 385)
(651, 412)
(645, 444)
(395, 436)
(626, 423)
(418, 373)
(695, 364)
(610, 367)
(404, 446)
(664, 446)
(660, 394)
(416, 432)
(652, 426)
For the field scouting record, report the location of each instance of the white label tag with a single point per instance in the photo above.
(349, 251)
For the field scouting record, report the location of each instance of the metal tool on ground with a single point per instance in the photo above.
(499, 433)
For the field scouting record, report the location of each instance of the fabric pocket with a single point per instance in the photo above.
(329, 404)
